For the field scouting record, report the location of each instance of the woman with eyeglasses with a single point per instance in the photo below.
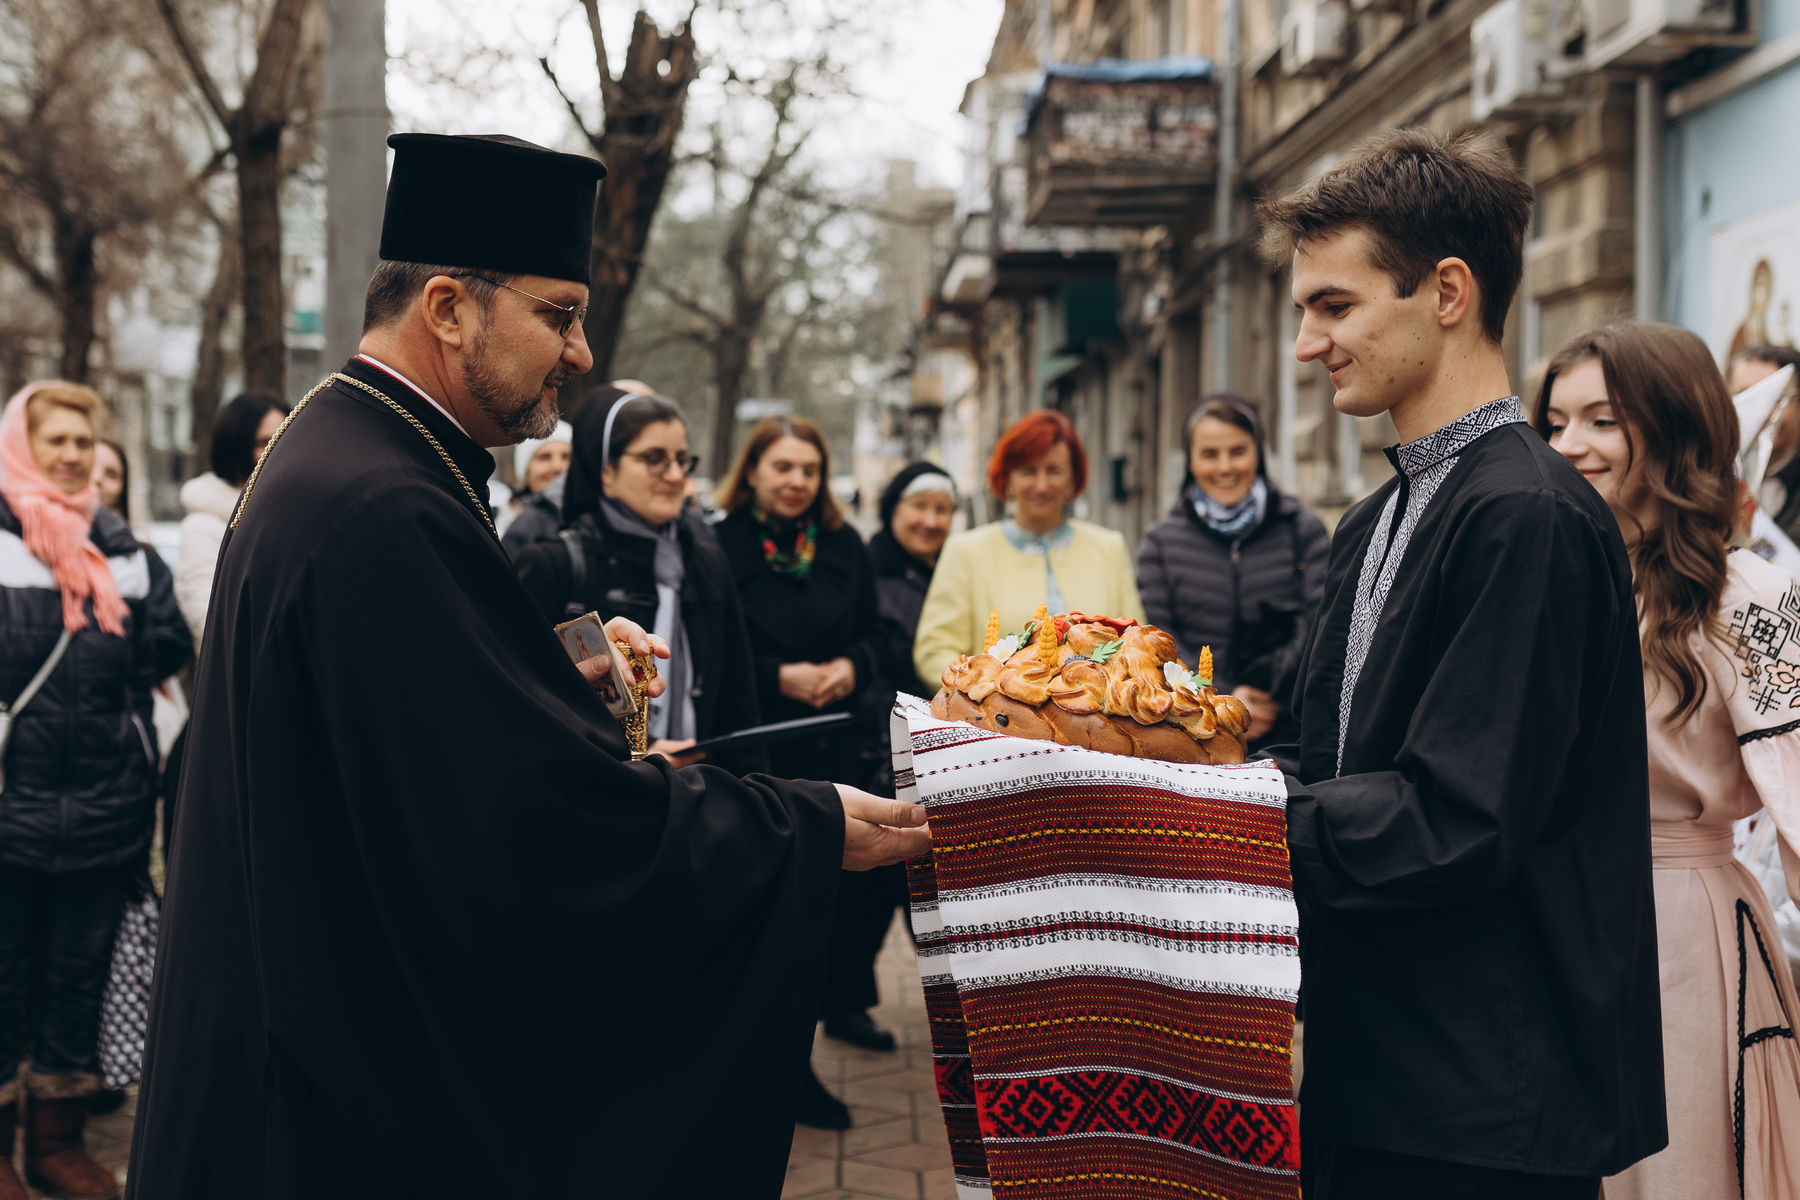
(645, 558)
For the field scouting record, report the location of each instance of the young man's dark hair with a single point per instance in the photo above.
(1423, 198)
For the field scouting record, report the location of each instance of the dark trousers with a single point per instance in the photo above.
(865, 908)
(1337, 1172)
(56, 941)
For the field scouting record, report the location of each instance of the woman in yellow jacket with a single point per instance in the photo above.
(1036, 555)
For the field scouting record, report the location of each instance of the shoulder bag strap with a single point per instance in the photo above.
(37, 681)
(577, 604)
(9, 711)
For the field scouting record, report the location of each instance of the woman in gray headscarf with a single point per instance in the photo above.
(645, 557)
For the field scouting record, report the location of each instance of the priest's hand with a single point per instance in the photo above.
(632, 634)
(879, 831)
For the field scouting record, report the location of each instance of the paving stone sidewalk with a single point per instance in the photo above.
(896, 1150)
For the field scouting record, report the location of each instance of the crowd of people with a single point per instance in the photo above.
(1531, 956)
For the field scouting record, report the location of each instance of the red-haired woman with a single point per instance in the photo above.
(1642, 412)
(1037, 555)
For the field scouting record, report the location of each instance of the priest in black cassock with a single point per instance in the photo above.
(427, 932)
(1468, 815)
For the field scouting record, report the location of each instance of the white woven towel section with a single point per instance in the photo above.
(1093, 923)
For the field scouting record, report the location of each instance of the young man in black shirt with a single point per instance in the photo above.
(1468, 815)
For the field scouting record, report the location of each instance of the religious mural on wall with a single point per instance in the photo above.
(1756, 281)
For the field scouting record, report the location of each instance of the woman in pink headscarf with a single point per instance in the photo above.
(77, 796)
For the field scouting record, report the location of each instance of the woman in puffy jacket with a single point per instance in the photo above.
(77, 801)
(1236, 566)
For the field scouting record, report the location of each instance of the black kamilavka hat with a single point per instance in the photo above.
(490, 202)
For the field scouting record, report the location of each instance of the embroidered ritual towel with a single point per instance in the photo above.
(1110, 956)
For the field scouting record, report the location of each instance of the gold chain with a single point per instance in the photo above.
(249, 484)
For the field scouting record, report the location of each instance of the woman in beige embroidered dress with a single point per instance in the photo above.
(1643, 413)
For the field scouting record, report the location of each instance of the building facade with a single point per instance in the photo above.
(1131, 138)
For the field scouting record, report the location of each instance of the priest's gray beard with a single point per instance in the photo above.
(514, 412)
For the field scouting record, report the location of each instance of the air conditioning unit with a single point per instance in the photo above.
(1315, 37)
(1652, 33)
(1518, 64)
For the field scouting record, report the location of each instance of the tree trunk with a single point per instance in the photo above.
(259, 231)
(12, 365)
(731, 364)
(77, 288)
(209, 357)
(638, 148)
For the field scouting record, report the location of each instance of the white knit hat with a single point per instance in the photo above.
(564, 432)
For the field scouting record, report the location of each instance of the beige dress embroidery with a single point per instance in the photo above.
(1739, 753)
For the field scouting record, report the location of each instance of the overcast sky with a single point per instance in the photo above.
(467, 66)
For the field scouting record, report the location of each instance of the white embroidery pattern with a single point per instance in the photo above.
(1426, 463)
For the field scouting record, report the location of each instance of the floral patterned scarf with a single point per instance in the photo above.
(787, 547)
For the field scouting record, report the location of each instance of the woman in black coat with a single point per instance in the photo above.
(78, 799)
(644, 557)
(816, 636)
(1236, 566)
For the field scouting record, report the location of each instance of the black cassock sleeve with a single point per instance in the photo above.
(1526, 607)
(597, 940)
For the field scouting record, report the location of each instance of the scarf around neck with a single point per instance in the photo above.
(787, 547)
(1026, 542)
(1231, 520)
(672, 713)
(55, 525)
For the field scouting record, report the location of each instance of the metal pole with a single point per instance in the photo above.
(353, 130)
(1647, 202)
(1224, 198)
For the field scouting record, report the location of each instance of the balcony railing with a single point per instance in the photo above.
(1120, 142)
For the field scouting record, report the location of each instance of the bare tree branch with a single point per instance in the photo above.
(609, 83)
(686, 302)
(196, 66)
(781, 352)
(568, 103)
(268, 96)
(27, 265)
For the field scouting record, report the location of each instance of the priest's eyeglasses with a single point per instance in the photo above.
(657, 461)
(571, 313)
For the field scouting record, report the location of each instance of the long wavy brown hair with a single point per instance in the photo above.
(1682, 430)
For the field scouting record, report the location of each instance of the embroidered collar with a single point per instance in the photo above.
(1037, 543)
(1416, 457)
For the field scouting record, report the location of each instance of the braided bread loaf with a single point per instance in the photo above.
(1100, 683)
